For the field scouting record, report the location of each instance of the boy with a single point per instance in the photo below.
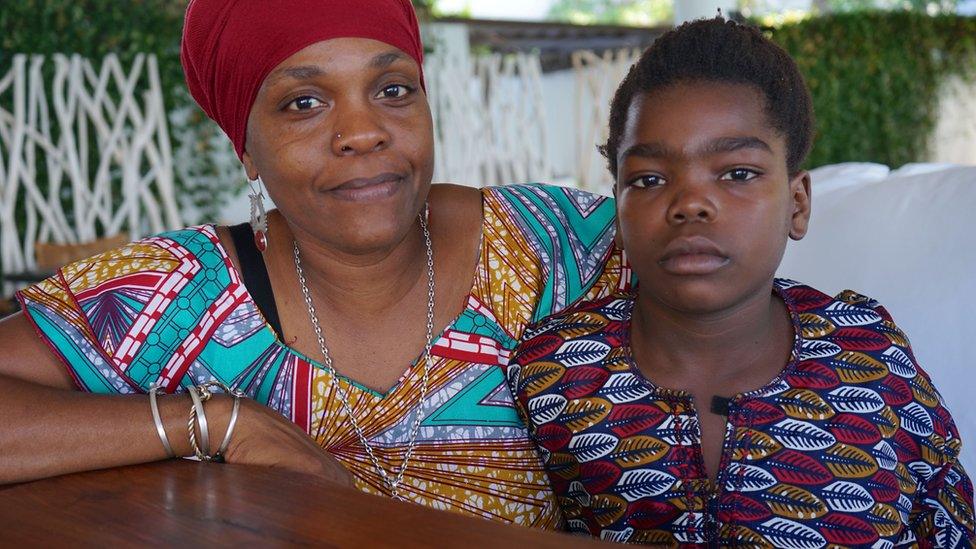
(718, 405)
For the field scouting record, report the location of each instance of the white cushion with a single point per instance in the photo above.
(907, 241)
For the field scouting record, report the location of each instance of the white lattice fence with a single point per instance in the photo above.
(489, 119)
(597, 78)
(82, 155)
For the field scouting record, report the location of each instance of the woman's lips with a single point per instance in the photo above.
(367, 189)
(693, 256)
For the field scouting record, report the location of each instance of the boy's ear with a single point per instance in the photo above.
(800, 197)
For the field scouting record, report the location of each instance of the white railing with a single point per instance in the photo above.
(597, 78)
(83, 154)
(489, 118)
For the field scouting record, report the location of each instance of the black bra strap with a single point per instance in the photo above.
(255, 274)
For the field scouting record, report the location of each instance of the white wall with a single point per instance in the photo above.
(954, 137)
(904, 239)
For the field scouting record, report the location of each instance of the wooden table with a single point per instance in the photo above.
(186, 503)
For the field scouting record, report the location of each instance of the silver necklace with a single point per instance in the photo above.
(392, 483)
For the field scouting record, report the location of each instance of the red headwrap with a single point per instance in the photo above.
(230, 46)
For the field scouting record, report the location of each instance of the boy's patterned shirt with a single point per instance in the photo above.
(850, 446)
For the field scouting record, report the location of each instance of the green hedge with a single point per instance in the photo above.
(875, 76)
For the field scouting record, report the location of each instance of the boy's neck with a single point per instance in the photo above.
(741, 347)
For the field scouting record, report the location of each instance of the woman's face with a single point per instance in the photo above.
(341, 134)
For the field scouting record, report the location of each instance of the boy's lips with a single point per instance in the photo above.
(694, 255)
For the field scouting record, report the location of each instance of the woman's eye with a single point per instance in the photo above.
(304, 103)
(739, 174)
(394, 91)
(645, 181)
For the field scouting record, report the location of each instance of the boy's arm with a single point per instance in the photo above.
(943, 512)
(944, 515)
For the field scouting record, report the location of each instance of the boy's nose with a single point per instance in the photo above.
(691, 206)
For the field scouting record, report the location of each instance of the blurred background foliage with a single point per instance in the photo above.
(875, 78)
(628, 12)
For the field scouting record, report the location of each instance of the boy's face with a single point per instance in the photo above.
(705, 203)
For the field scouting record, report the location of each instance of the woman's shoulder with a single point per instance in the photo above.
(574, 207)
(121, 310)
(536, 206)
(542, 247)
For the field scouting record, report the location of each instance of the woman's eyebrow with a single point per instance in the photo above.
(304, 72)
(307, 72)
(383, 60)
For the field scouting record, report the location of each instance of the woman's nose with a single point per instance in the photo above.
(358, 132)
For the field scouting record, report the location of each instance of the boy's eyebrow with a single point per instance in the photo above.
(715, 146)
(647, 150)
(731, 144)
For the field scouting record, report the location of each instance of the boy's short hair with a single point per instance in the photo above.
(716, 50)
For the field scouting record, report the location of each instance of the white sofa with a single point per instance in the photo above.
(905, 238)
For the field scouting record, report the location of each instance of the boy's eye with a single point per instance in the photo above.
(739, 174)
(646, 181)
(304, 103)
(394, 91)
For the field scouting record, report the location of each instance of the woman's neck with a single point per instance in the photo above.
(360, 283)
(744, 341)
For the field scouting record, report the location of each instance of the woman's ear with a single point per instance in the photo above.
(800, 197)
(249, 168)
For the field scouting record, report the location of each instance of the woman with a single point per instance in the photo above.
(363, 270)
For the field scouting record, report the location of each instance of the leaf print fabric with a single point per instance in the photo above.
(850, 446)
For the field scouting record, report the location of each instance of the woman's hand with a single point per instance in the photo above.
(263, 437)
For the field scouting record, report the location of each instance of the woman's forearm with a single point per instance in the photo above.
(47, 432)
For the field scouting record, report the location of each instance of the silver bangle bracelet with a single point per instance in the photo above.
(230, 427)
(154, 406)
(203, 451)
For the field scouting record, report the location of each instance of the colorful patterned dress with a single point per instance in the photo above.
(172, 309)
(850, 446)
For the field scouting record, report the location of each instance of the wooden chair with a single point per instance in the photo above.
(51, 257)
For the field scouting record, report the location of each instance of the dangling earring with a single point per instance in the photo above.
(259, 217)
